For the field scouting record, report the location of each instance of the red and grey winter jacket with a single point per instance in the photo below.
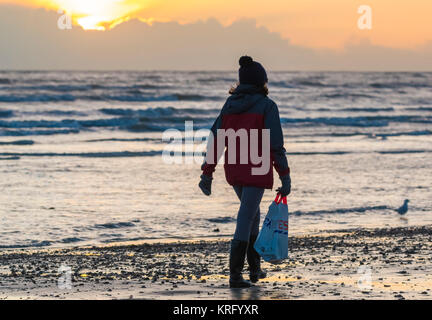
(248, 108)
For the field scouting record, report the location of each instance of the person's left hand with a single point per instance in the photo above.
(205, 184)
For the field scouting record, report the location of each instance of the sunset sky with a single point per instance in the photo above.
(321, 26)
(312, 23)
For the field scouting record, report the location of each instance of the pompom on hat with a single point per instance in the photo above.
(252, 72)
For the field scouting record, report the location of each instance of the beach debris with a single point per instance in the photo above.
(293, 281)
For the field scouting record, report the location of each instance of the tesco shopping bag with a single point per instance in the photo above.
(272, 241)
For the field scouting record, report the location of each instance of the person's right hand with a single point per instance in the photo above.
(205, 184)
(286, 186)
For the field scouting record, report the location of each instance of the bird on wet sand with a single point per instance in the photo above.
(404, 209)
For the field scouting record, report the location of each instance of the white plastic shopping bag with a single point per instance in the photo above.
(272, 241)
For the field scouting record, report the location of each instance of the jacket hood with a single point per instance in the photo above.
(243, 98)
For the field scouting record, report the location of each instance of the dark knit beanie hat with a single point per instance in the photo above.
(252, 72)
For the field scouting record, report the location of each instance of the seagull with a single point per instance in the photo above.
(404, 209)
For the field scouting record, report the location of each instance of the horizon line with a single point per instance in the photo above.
(210, 70)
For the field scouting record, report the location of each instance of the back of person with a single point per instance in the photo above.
(245, 112)
(249, 131)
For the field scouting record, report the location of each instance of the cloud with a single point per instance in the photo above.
(31, 40)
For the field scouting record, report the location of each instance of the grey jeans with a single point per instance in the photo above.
(248, 218)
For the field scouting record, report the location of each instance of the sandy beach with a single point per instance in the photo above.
(392, 263)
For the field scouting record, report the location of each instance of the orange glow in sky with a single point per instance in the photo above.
(99, 14)
(90, 14)
(311, 23)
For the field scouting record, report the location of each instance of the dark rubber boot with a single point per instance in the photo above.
(254, 261)
(236, 264)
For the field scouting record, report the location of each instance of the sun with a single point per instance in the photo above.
(99, 14)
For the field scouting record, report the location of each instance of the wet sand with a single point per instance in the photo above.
(351, 264)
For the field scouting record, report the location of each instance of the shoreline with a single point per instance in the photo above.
(397, 262)
(167, 240)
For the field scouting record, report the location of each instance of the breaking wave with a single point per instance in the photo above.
(341, 211)
(133, 97)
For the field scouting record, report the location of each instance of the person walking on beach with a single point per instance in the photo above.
(248, 109)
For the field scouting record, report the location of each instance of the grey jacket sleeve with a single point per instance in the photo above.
(278, 152)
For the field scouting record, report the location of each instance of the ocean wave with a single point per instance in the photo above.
(341, 211)
(105, 97)
(72, 240)
(10, 113)
(36, 98)
(162, 119)
(135, 124)
(398, 85)
(281, 84)
(153, 77)
(314, 82)
(371, 110)
(321, 82)
(366, 109)
(405, 151)
(343, 95)
(168, 98)
(120, 154)
(361, 121)
(222, 220)
(358, 133)
(156, 121)
(406, 133)
(119, 112)
(421, 101)
(216, 79)
(17, 143)
(134, 154)
(69, 123)
(22, 133)
(313, 153)
(80, 87)
(6, 113)
(425, 109)
(33, 243)
(132, 98)
(309, 83)
(157, 112)
(55, 113)
(53, 88)
(149, 86)
(115, 225)
(125, 140)
(177, 124)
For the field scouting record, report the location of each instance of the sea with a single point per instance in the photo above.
(84, 159)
